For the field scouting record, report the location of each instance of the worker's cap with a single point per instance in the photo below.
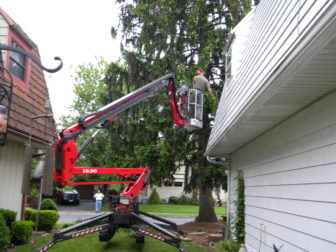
(200, 71)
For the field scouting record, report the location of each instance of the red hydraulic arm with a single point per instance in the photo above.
(67, 153)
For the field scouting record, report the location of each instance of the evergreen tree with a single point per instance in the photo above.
(160, 37)
(178, 36)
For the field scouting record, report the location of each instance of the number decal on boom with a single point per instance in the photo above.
(89, 171)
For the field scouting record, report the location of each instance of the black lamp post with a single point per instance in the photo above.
(3, 119)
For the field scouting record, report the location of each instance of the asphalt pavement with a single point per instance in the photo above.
(86, 209)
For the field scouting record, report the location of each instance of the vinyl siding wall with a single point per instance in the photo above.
(11, 174)
(277, 28)
(290, 183)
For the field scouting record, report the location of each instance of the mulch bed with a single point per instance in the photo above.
(204, 233)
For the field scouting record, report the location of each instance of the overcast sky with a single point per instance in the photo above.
(78, 31)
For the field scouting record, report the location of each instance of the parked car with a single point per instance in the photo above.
(70, 197)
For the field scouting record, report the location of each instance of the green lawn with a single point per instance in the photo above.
(177, 210)
(121, 242)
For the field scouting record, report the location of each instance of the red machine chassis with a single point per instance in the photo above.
(122, 215)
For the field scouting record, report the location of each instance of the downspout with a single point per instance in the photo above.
(224, 161)
(228, 215)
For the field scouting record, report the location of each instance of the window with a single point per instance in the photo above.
(228, 65)
(17, 62)
(168, 183)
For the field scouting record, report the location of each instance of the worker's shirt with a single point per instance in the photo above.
(201, 83)
(99, 196)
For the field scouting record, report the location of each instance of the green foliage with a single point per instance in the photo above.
(9, 216)
(48, 204)
(66, 188)
(46, 219)
(182, 200)
(227, 246)
(185, 200)
(33, 192)
(173, 200)
(21, 231)
(239, 228)
(30, 213)
(154, 198)
(4, 234)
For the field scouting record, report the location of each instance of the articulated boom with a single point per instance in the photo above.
(67, 153)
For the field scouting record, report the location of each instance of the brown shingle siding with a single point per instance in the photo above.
(29, 103)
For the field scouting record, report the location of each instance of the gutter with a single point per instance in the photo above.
(217, 160)
(232, 36)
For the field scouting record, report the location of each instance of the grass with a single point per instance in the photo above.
(121, 242)
(177, 210)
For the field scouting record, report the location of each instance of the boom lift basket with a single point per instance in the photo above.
(195, 109)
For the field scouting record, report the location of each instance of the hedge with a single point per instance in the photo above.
(182, 200)
(4, 234)
(48, 204)
(29, 214)
(47, 218)
(9, 216)
(21, 231)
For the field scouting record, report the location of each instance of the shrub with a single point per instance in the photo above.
(48, 204)
(4, 234)
(227, 246)
(46, 220)
(33, 192)
(9, 216)
(239, 223)
(154, 198)
(184, 200)
(30, 214)
(21, 231)
(173, 200)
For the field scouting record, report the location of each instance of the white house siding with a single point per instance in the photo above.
(11, 172)
(278, 33)
(167, 191)
(290, 182)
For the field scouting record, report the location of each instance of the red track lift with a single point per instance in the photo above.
(125, 212)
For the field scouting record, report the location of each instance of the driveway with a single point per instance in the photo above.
(71, 213)
(86, 209)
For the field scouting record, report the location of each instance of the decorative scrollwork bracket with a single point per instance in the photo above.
(6, 87)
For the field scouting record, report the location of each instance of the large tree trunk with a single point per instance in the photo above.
(206, 211)
(194, 196)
